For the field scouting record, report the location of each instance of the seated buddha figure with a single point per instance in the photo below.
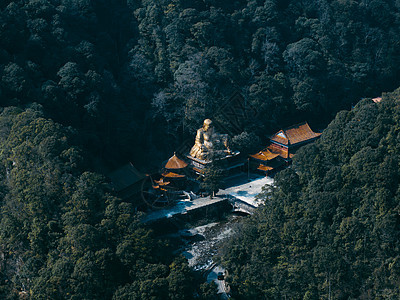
(208, 140)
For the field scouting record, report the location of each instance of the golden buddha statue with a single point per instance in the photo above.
(208, 140)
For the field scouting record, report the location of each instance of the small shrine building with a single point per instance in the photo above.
(265, 161)
(174, 170)
(127, 181)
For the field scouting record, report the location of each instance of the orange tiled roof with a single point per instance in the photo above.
(172, 175)
(175, 163)
(295, 134)
(264, 155)
(264, 168)
(157, 187)
(284, 153)
(161, 182)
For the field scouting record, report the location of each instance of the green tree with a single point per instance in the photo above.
(213, 175)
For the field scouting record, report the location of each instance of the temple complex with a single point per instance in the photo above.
(180, 173)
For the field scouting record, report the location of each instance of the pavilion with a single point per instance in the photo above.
(175, 170)
(265, 161)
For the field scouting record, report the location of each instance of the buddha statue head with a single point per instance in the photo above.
(207, 125)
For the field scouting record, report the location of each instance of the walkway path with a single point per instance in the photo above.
(182, 207)
(242, 187)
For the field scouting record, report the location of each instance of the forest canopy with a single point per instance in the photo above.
(86, 86)
(63, 235)
(330, 228)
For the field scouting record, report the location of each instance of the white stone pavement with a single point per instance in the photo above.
(243, 187)
(181, 207)
(246, 188)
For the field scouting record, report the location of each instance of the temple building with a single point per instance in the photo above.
(286, 141)
(160, 184)
(127, 181)
(175, 163)
(265, 161)
(282, 147)
(377, 99)
(175, 171)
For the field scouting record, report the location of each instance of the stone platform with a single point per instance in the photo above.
(230, 163)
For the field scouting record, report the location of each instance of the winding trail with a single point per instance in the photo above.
(212, 276)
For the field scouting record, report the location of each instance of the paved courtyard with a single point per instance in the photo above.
(246, 187)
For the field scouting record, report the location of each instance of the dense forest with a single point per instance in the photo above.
(63, 235)
(138, 77)
(86, 86)
(330, 228)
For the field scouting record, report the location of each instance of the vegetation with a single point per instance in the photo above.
(136, 78)
(63, 235)
(86, 86)
(329, 229)
(213, 176)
